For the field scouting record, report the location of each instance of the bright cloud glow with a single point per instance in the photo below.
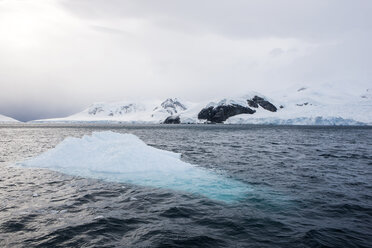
(58, 56)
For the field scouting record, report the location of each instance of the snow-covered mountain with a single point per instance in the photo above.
(296, 106)
(126, 112)
(311, 106)
(170, 107)
(6, 119)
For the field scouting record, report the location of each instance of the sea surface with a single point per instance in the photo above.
(311, 187)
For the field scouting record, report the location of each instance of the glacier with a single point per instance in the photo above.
(130, 112)
(299, 105)
(125, 158)
(324, 106)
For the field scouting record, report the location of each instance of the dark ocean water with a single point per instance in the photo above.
(312, 188)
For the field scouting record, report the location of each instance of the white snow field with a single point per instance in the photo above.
(313, 106)
(125, 158)
(300, 105)
(148, 112)
(6, 119)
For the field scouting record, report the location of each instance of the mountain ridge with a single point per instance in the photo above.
(7, 119)
(301, 106)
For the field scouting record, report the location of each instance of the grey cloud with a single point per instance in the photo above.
(276, 52)
(307, 19)
(83, 51)
(34, 112)
(109, 30)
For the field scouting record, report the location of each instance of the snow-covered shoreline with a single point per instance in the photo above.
(300, 106)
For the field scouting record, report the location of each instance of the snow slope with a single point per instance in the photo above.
(6, 119)
(127, 112)
(312, 106)
(125, 158)
(301, 105)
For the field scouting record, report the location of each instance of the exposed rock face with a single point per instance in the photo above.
(95, 110)
(172, 106)
(173, 103)
(252, 103)
(126, 109)
(256, 100)
(226, 108)
(303, 104)
(114, 110)
(221, 113)
(174, 119)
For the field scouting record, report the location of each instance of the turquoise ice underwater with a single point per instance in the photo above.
(125, 158)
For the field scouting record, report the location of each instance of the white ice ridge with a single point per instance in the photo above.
(6, 119)
(125, 158)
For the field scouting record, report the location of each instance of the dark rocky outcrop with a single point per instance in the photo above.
(256, 100)
(221, 113)
(95, 110)
(303, 104)
(174, 119)
(252, 103)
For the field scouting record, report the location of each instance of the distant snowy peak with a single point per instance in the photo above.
(114, 109)
(325, 105)
(253, 100)
(300, 105)
(127, 112)
(169, 107)
(172, 106)
(6, 119)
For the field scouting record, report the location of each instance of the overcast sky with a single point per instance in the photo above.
(59, 56)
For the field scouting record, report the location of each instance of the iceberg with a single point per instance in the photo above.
(125, 158)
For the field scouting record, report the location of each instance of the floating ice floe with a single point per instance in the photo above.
(125, 158)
